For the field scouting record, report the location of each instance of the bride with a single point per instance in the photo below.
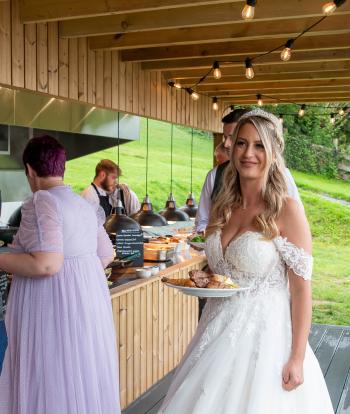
(250, 354)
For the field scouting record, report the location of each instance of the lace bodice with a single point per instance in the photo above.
(251, 260)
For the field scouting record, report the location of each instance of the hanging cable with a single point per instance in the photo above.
(191, 158)
(171, 158)
(146, 157)
(118, 153)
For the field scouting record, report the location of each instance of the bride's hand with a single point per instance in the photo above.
(292, 375)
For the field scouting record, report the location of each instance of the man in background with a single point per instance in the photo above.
(105, 191)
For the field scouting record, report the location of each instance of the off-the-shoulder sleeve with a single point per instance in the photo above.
(296, 258)
(41, 224)
(104, 244)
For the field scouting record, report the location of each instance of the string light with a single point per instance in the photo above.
(248, 10)
(332, 119)
(217, 71)
(215, 104)
(287, 51)
(248, 13)
(249, 71)
(259, 98)
(281, 118)
(194, 95)
(301, 112)
(173, 84)
(330, 7)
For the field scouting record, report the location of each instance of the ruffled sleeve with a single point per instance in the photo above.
(104, 244)
(296, 258)
(41, 224)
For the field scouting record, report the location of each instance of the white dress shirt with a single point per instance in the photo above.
(132, 204)
(202, 216)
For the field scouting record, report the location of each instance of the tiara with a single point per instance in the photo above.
(266, 115)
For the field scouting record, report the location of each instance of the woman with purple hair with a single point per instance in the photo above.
(61, 356)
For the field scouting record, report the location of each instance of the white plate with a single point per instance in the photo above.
(207, 293)
(197, 245)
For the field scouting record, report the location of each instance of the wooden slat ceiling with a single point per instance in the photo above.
(182, 40)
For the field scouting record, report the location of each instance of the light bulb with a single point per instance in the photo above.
(215, 104)
(301, 112)
(332, 119)
(248, 12)
(329, 8)
(259, 98)
(249, 71)
(281, 118)
(177, 85)
(194, 96)
(286, 54)
(341, 111)
(217, 73)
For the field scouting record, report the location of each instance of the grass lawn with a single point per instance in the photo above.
(330, 226)
(80, 172)
(335, 188)
(330, 223)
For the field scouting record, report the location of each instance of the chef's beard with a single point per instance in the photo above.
(104, 185)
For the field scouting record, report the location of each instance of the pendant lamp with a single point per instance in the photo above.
(171, 213)
(191, 208)
(146, 216)
(118, 220)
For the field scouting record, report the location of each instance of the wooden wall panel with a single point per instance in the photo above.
(63, 68)
(5, 43)
(17, 38)
(82, 69)
(73, 68)
(107, 79)
(34, 57)
(53, 53)
(41, 57)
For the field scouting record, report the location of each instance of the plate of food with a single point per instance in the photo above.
(197, 241)
(205, 285)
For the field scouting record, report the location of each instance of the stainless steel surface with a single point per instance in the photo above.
(34, 110)
(81, 128)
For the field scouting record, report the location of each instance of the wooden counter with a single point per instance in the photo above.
(154, 325)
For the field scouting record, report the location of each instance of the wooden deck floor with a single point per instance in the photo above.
(331, 345)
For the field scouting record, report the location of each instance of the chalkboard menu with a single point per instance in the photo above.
(3, 290)
(129, 242)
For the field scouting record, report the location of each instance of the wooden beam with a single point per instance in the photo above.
(249, 102)
(261, 86)
(203, 15)
(272, 77)
(274, 58)
(46, 10)
(246, 47)
(290, 97)
(276, 92)
(284, 67)
(335, 24)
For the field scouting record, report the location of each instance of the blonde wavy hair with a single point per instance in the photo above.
(274, 190)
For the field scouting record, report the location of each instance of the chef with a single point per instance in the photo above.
(105, 191)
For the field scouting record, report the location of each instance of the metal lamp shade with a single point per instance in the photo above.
(171, 213)
(147, 217)
(118, 221)
(190, 208)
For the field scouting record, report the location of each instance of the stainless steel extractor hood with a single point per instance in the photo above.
(82, 129)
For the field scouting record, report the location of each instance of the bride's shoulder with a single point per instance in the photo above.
(293, 224)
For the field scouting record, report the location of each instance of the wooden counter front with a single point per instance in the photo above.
(154, 325)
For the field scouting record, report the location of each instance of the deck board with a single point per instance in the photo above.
(331, 345)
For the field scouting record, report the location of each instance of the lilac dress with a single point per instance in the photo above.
(61, 356)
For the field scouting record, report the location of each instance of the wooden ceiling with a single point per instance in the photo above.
(182, 40)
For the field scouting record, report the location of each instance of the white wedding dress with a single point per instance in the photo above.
(234, 363)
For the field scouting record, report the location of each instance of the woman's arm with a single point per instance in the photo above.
(295, 228)
(33, 265)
